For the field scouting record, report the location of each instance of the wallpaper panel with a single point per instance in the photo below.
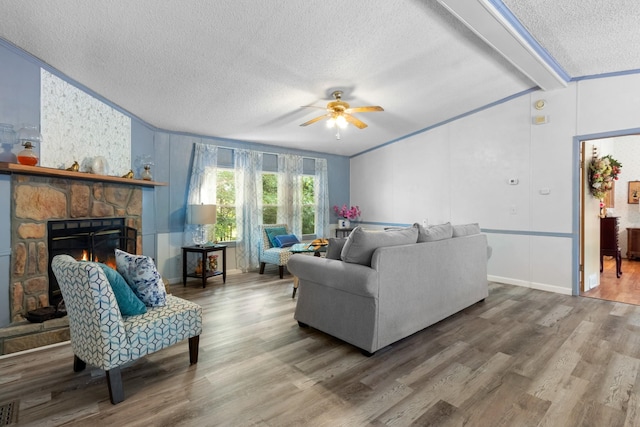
(76, 126)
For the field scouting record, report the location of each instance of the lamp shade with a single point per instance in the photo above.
(201, 214)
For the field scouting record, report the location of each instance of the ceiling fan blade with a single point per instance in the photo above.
(317, 119)
(364, 109)
(357, 123)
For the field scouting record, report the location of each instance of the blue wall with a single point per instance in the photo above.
(163, 207)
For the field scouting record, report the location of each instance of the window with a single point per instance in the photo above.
(269, 198)
(270, 201)
(226, 203)
(225, 192)
(308, 205)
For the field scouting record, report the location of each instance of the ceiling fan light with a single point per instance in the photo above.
(341, 122)
(331, 122)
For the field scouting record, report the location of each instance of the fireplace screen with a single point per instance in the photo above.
(87, 239)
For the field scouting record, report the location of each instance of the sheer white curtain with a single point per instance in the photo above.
(248, 175)
(321, 189)
(290, 192)
(202, 184)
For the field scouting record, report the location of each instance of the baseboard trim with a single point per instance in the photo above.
(533, 285)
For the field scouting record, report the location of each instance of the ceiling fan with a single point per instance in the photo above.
(339, 113)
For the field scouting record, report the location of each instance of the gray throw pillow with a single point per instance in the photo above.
(466, 229)
(334, 248)
(433, 233)
(361, 244)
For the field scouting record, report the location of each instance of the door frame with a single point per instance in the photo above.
(578, 201)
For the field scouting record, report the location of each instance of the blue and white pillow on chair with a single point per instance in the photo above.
(141, 274)
(286, 240)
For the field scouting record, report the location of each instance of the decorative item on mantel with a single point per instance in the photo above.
(602, 172)
(346, 215)
(27, 156)
(146, 173)
(129, 174)
(28, 136)
(100, 166)
(143, 165)
(75, 167)
(7, 141)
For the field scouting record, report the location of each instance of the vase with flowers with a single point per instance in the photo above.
(346, 215)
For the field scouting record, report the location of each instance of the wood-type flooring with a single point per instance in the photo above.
(521, 358)
(625, 288)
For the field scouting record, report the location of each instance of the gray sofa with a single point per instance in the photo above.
(401, 288)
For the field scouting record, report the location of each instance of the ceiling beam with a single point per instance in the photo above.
(496, 25)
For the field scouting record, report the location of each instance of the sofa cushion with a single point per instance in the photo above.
(285, 240)
(361, 244)
(334, 249)
(466, 229)
(128, 302)
(272, 232)
(140, 273)
(433, 233)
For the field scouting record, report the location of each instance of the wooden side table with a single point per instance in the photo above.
(204, 251)
(344, 232)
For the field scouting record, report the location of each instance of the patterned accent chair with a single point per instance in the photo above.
(271, 255)
(104, 338)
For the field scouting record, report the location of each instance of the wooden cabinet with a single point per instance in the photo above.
(609, 245)
(633, 243)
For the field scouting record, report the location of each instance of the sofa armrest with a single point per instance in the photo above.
(352, 278)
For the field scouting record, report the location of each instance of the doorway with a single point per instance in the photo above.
(622, 206)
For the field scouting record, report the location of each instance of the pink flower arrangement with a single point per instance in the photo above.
(349, 213)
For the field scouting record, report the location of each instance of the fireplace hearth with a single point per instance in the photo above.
(93, 239)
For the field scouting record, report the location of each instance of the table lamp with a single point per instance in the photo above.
(201, 215)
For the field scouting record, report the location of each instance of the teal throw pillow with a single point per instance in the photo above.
(129, 303)
(272, 232)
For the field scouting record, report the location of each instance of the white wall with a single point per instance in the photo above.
(458, 172)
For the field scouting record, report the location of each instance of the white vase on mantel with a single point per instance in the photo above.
(343, 223)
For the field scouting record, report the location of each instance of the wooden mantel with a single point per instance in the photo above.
(11, 168)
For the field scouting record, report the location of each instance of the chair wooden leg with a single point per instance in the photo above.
(194, 343)
(281, 270)
(78, 364)
(262, 264)
(114, 382)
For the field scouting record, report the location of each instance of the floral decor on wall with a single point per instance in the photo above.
(602, 172)
(347, 213)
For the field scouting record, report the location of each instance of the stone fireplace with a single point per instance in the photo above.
(37, 200)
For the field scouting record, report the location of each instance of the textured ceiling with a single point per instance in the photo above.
(585, 37)
(243, 69)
